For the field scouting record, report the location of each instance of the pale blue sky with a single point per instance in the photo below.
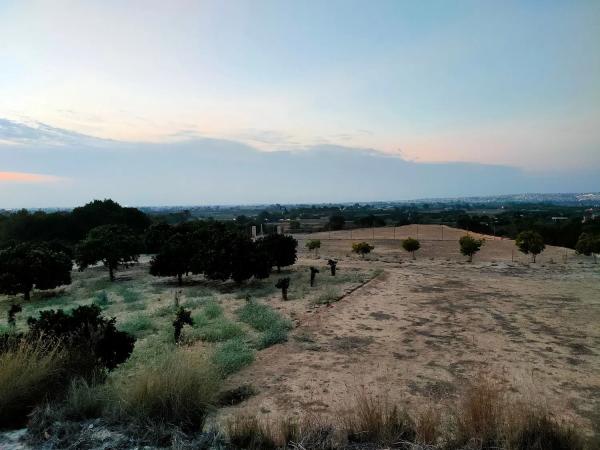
(511, 83)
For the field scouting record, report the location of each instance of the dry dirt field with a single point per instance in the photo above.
(422, 330)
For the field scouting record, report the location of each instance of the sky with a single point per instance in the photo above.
(504, 94)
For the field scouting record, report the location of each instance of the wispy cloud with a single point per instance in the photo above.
(24, 177)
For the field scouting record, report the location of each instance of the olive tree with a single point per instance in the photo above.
(469, 246)
(411, 245)
(26, 266)
(530, 242)
(113, 245)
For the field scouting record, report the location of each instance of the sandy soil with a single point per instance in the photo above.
(425, 329)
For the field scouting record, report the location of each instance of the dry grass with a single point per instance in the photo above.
(484, 420)
(180, 390)
(29, 373)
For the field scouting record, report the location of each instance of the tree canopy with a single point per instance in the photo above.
(411, 245)
(26, 266)
(113, 245)
(362, 248)
(530, 242)
(469, 246)
(281, 249)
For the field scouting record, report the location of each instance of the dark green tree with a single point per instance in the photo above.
(280, 249)
(26, 266)
(411, 245)
(113, 245)
(530, 242)
(157, 235)
(469, 246)
(175, 257)
(588, 245)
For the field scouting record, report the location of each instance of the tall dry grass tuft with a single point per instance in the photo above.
(375, 420)
(180, 390)
(30, 372)
(479, 417)
(251, 433)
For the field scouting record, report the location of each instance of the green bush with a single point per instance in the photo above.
(212, 310)
(273, 326)
(101, 299)
(218, 330)
(274, 335)
(232, 356)
(139, 326)
(258, 316)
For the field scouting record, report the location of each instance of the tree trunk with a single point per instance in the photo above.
(413, 255)
(284, 293)
(111, 272)
(470, 258)
(27, 295)
(179, 279)
(278, 269)
(533, 257)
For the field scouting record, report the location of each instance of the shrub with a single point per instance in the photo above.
(469, 246)
(330, 295)
(212, 310)
(31, 371)
(180, 389)
(411, 245)
(260, 317)
(232, 356)
(274, 335)
(139, 325)
(219, 330)
(93, 342)
(129, 295)
(101, 299)
(362, 248)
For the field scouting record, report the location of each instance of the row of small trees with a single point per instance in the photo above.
(528, 242)
(217, 250)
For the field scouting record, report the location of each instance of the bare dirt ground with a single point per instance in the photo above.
(423, 330)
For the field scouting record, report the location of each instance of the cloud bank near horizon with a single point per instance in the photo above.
(217, 171)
